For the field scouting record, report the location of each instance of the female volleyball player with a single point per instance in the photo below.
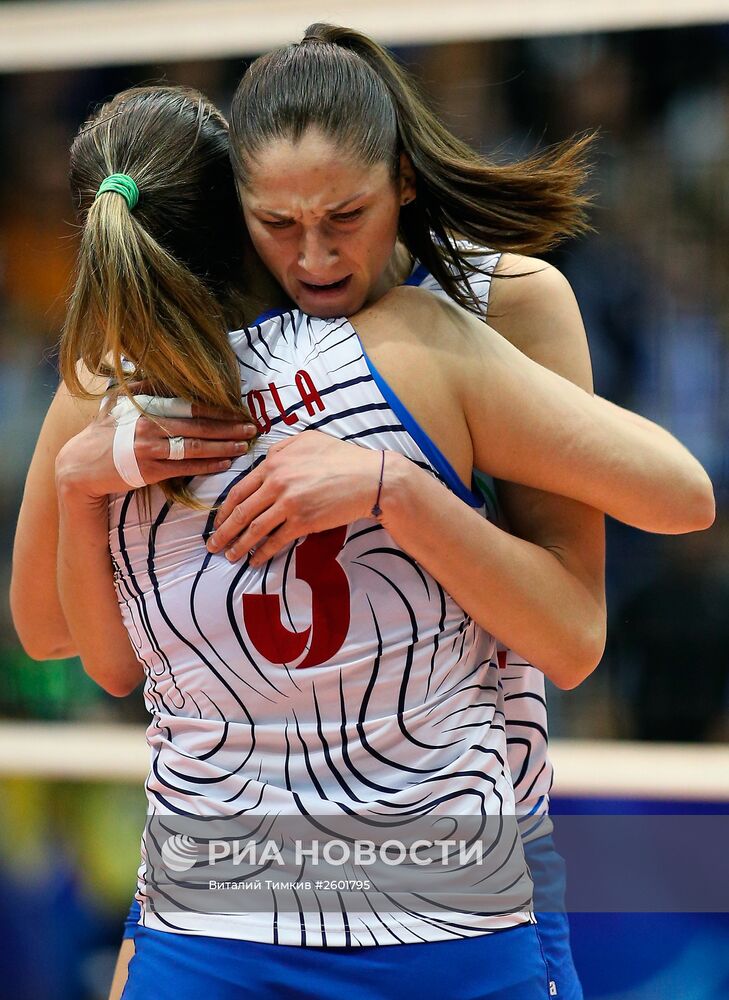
(336, 154)
(511, 209)
(312, 126)
(442, 321)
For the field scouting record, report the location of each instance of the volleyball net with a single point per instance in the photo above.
(41, 36)
(613, 769)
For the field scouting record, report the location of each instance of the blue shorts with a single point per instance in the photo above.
(506, 965)
(131, 921)
(548, 872)
(547, 869)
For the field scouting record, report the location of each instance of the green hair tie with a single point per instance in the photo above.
(122, 184)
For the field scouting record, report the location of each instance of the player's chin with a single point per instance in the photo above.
(331, 310)
(334, 312)
(329, 306)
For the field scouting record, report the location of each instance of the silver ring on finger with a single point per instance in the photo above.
(177, 448)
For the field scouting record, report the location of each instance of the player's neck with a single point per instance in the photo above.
(397, 271)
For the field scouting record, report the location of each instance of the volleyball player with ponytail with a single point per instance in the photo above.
(335, 154)
(419, 516)
(341, 100)
(173, 255)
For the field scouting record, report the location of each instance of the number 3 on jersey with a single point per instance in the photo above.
(315, 563)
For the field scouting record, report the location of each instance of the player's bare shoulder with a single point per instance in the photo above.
(520, 282)
(420, 319)
(532, 305)
(419, 342)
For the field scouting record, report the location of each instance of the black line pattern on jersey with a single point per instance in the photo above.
(198, 578)
(126, 598)
(437, 635)
(528, 790)
(408, 656)
(365, 704)
(251, 346)
(263, 342)
(470, 707)
(362, 778)
(450, 670)
(370, 431)
(140, 602)
(317, 339)
(394, 554)
(342, 414)
(244, 364)
(301, 745)
(469, 687)
(284, 590)
(206, 640)
(168, 621)
(328, 753)
(526, 694)
(318, 350)
(530, 724)
(232, 610)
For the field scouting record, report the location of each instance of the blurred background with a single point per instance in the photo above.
(653, 289)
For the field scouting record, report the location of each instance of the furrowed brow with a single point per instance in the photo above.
(330, 208)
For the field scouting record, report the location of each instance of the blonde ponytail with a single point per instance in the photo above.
(157, 284)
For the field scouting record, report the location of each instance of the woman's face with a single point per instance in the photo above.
(324, 224)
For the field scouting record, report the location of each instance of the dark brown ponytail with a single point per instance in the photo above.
(351, 88)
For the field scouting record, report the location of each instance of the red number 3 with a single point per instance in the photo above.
(316, 564)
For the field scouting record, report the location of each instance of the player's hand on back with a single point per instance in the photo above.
(307, 483)
(207, 442)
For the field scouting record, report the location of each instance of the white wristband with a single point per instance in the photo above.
(126, 415)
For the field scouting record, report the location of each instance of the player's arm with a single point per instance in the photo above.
(85, 474)
(534, 308)
(531, 426)
(86, 589)
(34, 601)
(59, 548)
(121, 969)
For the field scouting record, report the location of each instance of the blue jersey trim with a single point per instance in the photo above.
(534, 809)
(418, 276)
(269, 314)
(429, 448)
(427, 445)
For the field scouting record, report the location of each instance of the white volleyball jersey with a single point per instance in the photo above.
(524, 691)
(337, 679)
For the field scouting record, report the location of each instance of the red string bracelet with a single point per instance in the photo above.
(376, 509)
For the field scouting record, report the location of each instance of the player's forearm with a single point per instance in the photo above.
(667, 446)
(37, 613)
(36, 610)
(35, 605)
(513, 588)
(88, 597)
(678, 495)
(582, 447)
(537, 428)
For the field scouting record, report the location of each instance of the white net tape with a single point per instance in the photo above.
(609, 768)
(37, 36)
